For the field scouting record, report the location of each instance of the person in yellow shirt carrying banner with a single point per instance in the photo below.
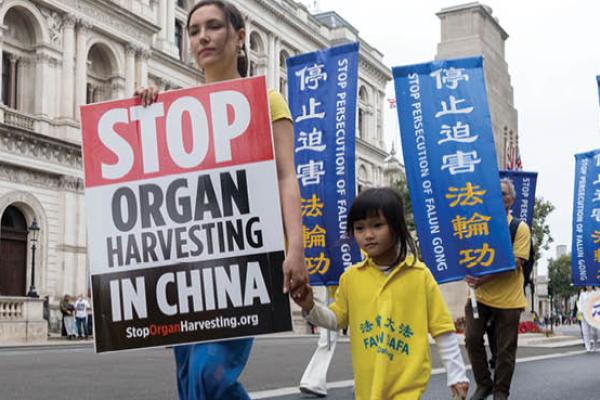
(499, 297)
(390, 302)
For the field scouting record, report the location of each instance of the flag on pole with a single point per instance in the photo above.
(508, 157)
(518, 163)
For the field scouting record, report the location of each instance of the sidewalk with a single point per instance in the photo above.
(525, 340)
(55, 341)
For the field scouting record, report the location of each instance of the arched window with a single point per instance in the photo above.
(363, 102)
(179, 38)
(101, 72)
(256, 54)
(18, 70)
(283, 80)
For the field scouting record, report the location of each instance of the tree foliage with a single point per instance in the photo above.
(401, 186)
(559, 274)
(540, 231)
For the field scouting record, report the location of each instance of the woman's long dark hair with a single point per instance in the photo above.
(385, 200)
(235, 18)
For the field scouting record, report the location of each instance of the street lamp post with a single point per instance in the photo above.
(34, 230)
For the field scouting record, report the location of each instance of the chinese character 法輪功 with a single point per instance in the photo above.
(318, 265)
(596, 236)
(314, 237)
(468, 195)
(310, 76)
(312, 207)
(597, 255)
(312, 141)
(460, 162)
(449, 77)
(477, 225)
(452, 109)
(473, 257)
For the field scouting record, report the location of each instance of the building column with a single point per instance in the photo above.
(143, 56)
(171, 29)
(12, 97)
(81, 66)
(130, 82)
(68, 66)
(273, 76)
(40, 103)
(162, 21)
(1, 60)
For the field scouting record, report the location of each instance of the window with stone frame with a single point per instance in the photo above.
(283, 79)
(19, 49)
(256, 54)
(363, 101)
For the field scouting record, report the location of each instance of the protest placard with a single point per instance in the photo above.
(185, 235)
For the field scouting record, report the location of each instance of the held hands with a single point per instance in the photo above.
(295, 275)
(460, 390)
(147, 95)
(307, 301)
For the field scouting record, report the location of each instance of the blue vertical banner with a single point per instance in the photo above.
(525, 183)
(450, 162)
(322, 88)
(585, 257)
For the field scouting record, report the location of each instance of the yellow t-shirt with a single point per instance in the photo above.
(279, 107)
(389, 319)
(506, 291)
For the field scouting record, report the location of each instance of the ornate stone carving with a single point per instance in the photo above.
(71, 183)
(55, 25)
(47, 180)
(100, 16)
(69, 20)
(35, 146)
(85, 25)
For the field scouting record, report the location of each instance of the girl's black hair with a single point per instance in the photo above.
(385, 200)
(235, 18)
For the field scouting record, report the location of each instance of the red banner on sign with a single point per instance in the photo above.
(183, 131)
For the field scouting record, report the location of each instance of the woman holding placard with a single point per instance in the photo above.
(217, 36)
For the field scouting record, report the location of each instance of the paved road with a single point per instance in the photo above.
(276, 364)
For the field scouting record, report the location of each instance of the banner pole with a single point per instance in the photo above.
(328, 302)
(474, 303)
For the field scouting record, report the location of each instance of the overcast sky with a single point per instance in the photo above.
(553, 59)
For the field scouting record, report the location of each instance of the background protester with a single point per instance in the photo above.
(81, 307)
(67, 310)
(500, 297)
(217, 36)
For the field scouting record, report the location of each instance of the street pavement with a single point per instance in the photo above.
(75, 372)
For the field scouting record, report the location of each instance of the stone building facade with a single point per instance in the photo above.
(56, 55)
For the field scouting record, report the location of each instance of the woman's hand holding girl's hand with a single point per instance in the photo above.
(295, 275)
(147, 95)
(460, 390)
(306, 301)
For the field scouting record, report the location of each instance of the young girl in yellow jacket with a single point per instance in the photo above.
(390, 302)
